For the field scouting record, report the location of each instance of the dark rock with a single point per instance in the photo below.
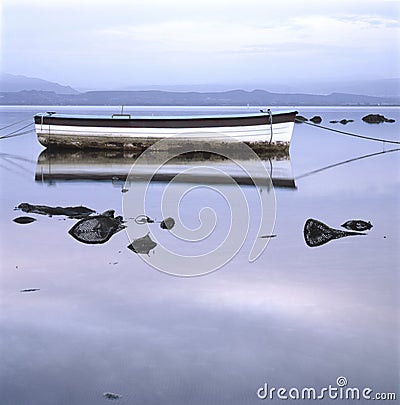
(300, 119)
(29, 290)
(317, 233)
(357, 225)
(24, 220)
(142, 245)
(108, 213)
(71, 212)
(111, 395)
(143, 219)
(316, 119)
(96, 230)
(167, 223)
(345, 121)
(376, 119)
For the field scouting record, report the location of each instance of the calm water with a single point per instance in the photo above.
(105, 321)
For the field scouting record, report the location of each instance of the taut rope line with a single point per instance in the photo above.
(349, 133)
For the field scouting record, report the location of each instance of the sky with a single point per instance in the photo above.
(113, 44)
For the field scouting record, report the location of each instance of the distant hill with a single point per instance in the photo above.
(372, 87)
(167, 98)
(16, 83)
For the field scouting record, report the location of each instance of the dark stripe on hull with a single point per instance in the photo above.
(160, 122)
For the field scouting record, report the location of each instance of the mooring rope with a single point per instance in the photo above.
(15, 123)
(349, 133)
(18, 132)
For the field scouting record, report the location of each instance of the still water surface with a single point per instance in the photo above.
(105, 321)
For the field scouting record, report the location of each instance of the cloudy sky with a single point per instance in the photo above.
(119, 43)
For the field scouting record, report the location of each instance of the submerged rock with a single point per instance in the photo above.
(142, 245)
(357, 225)
(317, 233)
(111, 395)
(167, 223)
(376, 119)
(70, 212)
(24, 220)
(96, 230)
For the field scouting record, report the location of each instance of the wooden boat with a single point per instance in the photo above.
(262, 130)
(114, 166)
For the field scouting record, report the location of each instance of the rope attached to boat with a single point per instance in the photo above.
(349, 133)
(15, 123)
(17, 132)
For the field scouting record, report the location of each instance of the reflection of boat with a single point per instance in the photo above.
(262, 130)
(115, 166)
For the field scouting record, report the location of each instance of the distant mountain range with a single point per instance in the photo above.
(15, 83)
(21, 90)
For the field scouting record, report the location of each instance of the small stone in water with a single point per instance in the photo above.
(167, 223)
(24, 220)
(111, 395)
(30, 289)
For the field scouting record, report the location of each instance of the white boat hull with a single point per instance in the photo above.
(257, 130)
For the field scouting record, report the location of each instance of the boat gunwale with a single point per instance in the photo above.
(161, 121)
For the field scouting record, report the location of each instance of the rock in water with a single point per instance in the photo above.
(376, 119)
(316, 119)
(167, 223)
(108, 213)
(24, 220)
(143, 219)
(71, 212)
(29, 290)
(111, 395)
(97, 229)
(300, 119)
(317, 233)
(357, 225)
(142, 245)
